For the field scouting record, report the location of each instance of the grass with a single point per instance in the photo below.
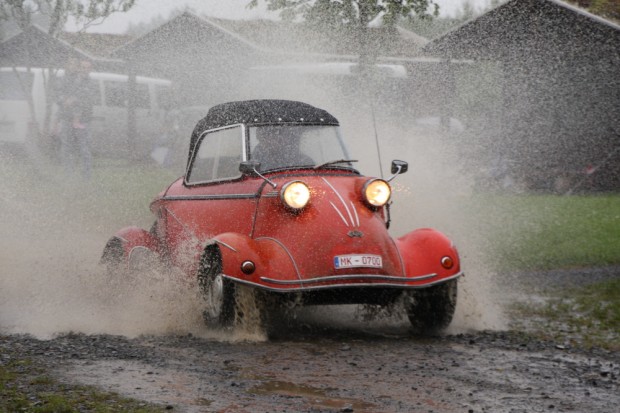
(527, 232)
(123, 193)
(586, 317)
(118, 194)
(26, 387)
(542, 232)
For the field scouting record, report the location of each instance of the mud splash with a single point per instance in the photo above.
(53, 235)
(50, 282)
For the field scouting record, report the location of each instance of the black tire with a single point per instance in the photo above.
(227, 303)
(118, 278)
(431, 309)
(218, 292)
(113, 256)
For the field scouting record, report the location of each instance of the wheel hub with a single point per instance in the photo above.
(215, 296)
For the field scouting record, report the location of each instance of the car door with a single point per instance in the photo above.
(214, 197)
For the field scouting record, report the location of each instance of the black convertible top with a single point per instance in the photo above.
(260, 112)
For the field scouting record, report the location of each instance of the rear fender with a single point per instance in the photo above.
(270, 258)
(130, 244)
(422, 252)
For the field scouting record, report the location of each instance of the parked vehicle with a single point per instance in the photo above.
(109, 125)
(271, 204)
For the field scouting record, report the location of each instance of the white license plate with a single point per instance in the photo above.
(358, 261)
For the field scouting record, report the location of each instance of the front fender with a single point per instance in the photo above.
(422, 252)
(272, 261)
(127, 242)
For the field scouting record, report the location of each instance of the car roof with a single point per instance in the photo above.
(261, 112)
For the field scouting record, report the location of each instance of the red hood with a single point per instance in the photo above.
(336, 222)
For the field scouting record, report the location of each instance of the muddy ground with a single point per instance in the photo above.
(312, 366)
(338, 371)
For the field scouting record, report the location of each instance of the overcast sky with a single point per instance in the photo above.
(145, 10)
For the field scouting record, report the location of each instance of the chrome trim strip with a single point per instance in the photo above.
(341, 199)
(357, 218)
(285, 250)
(340, 286)
(349, 212)
(224, 244)
(185, 227)
(208, 197)
(339, 213)
(350, 277)
(137, 247)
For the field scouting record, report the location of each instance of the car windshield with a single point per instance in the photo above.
(289, 146)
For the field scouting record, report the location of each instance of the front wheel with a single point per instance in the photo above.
(218, 293)
(431, 309)
(226, 303)
(113, 256)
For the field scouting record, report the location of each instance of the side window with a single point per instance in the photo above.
(218, 156)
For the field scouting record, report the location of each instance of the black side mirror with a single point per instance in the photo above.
(399, 167)
(249, 167)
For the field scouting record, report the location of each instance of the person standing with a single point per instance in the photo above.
(76, 101)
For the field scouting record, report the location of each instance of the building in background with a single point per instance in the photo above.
(558, 77)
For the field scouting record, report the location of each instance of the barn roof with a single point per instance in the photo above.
(543, 27)
(183, 29)
(35, 48)
(271, 37)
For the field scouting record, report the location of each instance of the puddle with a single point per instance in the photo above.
(317, 398)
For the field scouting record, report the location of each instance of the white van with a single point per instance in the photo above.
(109, 125)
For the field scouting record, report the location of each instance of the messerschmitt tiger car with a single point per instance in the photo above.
(271, 203)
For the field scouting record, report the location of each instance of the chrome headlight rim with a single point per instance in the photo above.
(372, 203)
(288, 202)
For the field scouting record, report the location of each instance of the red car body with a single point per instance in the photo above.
(334, 249)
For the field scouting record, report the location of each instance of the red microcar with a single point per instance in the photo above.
(271, 204)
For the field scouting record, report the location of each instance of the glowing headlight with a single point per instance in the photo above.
(295, 194)
(377, 192)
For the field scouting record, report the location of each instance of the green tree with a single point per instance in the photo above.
(351, 12)
(605, 8)
(85, 12)
(467, 12)
(351, 15)
(57, 13)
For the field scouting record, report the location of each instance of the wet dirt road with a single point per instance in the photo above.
(339, 370)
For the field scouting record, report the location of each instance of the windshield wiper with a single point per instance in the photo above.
(335, 162)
